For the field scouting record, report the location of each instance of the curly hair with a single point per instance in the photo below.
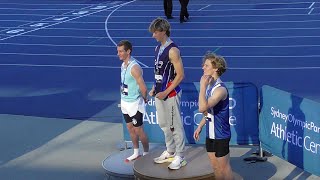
(217, 62)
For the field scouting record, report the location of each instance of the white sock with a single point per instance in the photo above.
(145, 153)
(134, 155)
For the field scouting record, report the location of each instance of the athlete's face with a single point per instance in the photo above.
(208, 69)
(159, 35)
(122, 53)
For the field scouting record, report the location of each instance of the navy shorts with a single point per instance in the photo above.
(219, 146)
(137, 119)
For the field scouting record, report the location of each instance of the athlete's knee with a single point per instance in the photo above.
(130, 127)
(138, 130)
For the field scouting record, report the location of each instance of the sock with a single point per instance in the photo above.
(134, 155)
(145, 153)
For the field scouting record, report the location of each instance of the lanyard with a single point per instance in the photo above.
(125, 72)
(161, 49)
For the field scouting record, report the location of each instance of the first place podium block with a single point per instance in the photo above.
(198, 167)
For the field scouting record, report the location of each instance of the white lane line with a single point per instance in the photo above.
(209, 16)
(186, 67)
(264, 56)
(209, 29)
(222, 29)
(106, 25)
(108, 34)
(275, 3)
(204, 7)
(311, 5)
(310, 11)
(224, 37)
(63, 55)
(60, 45)
(267, 68)
(33, 9)
(225, 16)
(87, 14)
(231, 4)
(176, 37)
(209, 22)
(51, 16)
(151, 56)
(137, 46)
(36, 4)
(202, 22)
(181, 37)
(58, 65)
(216, 10)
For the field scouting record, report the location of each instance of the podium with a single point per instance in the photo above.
(198, 167)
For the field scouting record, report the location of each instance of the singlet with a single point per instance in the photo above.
(164, 71)
(217, 124)
(129, 88)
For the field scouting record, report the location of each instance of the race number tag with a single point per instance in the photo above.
(124, 89)
(158, 78)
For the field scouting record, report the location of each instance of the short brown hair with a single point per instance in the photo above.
(127, 45)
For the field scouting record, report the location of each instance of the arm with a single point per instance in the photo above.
(175, 59)
(219, 94)
(137, 74)
(151, 92)
(199, 129)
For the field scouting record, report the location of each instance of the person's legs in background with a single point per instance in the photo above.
(184, 10)
(167, 5)
(187, 13)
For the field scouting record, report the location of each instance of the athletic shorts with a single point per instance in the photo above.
(137, 119)
(131, 108)
(219, 146)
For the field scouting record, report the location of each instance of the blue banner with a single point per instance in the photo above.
(243, 118)
(290, 128)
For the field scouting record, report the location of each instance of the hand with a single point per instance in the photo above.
(161, 95)
(151, 92)
(205, 80)
(146, 100)
(196, 134)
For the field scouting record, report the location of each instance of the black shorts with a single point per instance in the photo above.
(219, 146)
(137, 119)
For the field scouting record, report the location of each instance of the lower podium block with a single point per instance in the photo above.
(117, 168)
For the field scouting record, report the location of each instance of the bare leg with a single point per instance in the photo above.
(215, 165)
(221, 166)
(224, 163)
(143, 138)
(135, 142)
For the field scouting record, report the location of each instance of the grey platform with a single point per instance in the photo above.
(198, 166)
(144, 168)
(117, 168)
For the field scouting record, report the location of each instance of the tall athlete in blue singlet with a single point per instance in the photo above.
(133, 98)
(214, 104)
(168, 75)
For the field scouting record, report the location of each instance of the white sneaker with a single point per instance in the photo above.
(164, 157)
(177, 163)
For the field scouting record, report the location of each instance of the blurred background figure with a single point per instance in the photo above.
(167, 5)
(184, 15)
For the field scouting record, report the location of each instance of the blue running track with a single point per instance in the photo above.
(58, 57)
